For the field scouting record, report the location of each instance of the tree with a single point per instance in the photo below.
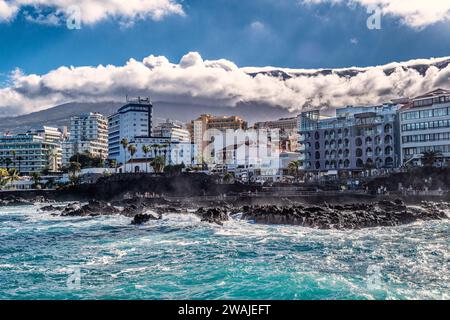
(294, 167)
(124, 144)
(132, 150)
(429, 157)
(74, 168)
(228, 177)
(113, 164)
(36, 176)
(13, 175)
(146, 151)
(86, 160)
(158, 164)
(4, 175)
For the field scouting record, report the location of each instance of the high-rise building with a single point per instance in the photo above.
(206, 126)
(172, 130)
(132, 120)
(287, 124)
(356, 139)
(288, 132)
(32, 151)
(425, 126)
(88, 133)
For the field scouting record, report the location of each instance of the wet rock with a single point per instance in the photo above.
(133, 210)
(92, 209)
(213, 215)
(349, 216)
(142, 218)
(51, 208)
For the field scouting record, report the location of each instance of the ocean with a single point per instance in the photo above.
(49, 257)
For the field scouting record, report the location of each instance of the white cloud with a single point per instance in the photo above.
(218, 83)
(257, 26)
(415, 13)
(92, 11)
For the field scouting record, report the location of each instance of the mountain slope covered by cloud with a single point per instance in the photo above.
(194, 80)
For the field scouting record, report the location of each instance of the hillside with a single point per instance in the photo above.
(59, 116)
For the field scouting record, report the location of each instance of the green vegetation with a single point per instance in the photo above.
(86, 160)
(158, 164)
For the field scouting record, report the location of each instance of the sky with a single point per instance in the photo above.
(297, 34)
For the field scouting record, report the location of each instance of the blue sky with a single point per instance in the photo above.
(194, 51)
(247, 32)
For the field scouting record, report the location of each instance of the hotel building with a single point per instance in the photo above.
(206, 126)
(132, 120)
(172, 130)
(32, 151)
(425, 126)
(88, 133)
(288, 130)
(356, 139)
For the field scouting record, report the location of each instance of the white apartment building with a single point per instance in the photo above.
(425, 126)
(53, 137)
(132, 120)
(30, 152)
(173, 151)
(88, 133)
(172, 130)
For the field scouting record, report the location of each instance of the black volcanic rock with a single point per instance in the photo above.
(142, 218)
(213, 215)
(92, 209)
(349, 216)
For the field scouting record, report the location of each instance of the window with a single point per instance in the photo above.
(358, 142)
(359, 152)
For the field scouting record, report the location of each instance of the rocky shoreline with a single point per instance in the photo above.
(326, 216)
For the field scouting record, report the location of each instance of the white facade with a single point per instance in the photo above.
(29, 153)
(53, 137)
(425, 126)
(175, 152)
(171, 130)
(88, 134)
(132, 120)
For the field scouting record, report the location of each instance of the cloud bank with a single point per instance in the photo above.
(91, 11)
(414, 13)
(222, 83)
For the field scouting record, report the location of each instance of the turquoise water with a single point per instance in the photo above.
(48, 257)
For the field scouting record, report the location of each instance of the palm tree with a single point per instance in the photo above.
(228, 178)
(74, 168)
(36, 176)
(4, 174)
(146, 150)
(155, 148)
(132, 150)
(13, 175)
(429, 157)
(294, 167)
(124, 144)
(158, 164)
